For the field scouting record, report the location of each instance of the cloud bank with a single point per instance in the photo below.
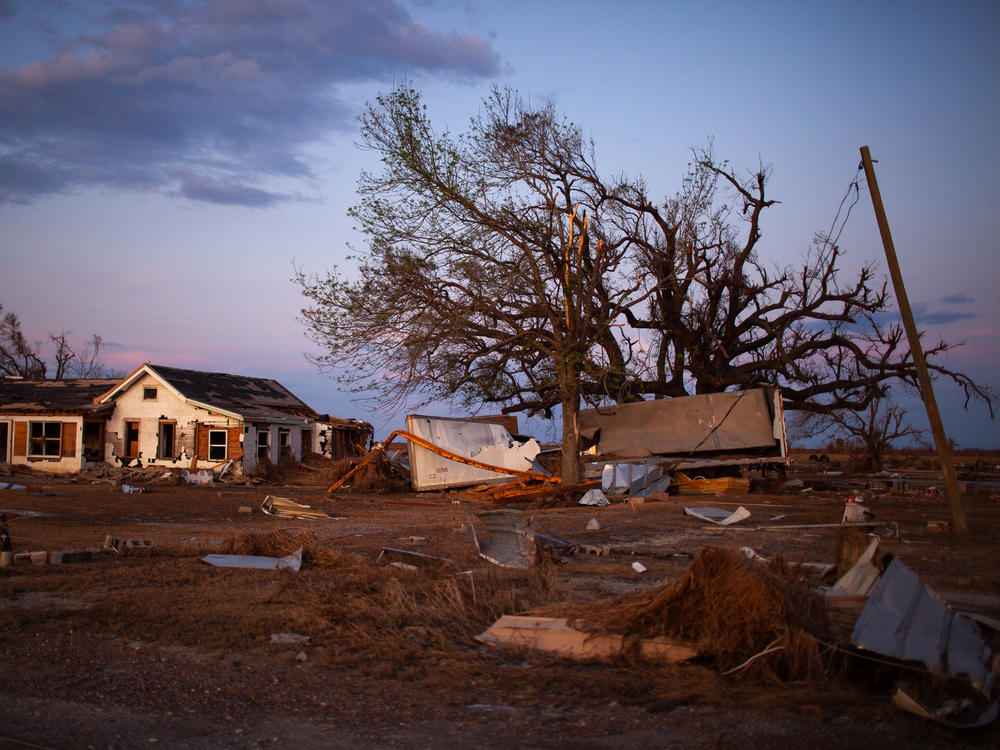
(213, 101)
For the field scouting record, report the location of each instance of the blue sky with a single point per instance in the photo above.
(164, 163)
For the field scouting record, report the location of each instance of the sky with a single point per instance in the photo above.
(166, 165)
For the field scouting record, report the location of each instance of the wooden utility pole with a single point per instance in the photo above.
(958, 521)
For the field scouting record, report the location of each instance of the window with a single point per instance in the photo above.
(44, 439)
(217, 445)
(149, 394)
(263, 444)
(166, 440)
(284, 445)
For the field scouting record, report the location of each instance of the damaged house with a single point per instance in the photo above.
(52, 425)
(166, 416)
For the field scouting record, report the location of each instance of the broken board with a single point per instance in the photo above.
(555, 635)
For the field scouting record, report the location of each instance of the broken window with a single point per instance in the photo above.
(149, 394)
(263, 444)
(217, 445)
(284, 443)
(44, 438)
(166, 448)
(131, 438)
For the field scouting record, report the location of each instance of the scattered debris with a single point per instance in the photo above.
(139, 547)
(556, 635)
(718, 516)
(511, 543)
(593, 525)
(637, 480)
(594, 497)
(10, 486)
(862, 576)
(289, 639)
(414, 556)
(289, 562)
(855, 511)
(638, 567)
(283, 506)
(197, 477)
(952, 713)
(129, 489)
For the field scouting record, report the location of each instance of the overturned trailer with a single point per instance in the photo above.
(482, 441)
(712, 434)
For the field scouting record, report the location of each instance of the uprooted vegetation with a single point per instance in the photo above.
(758, 620)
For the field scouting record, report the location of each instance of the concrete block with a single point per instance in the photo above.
(139, 547)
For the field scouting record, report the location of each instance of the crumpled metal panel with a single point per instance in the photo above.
(905, 619)
(511, 543)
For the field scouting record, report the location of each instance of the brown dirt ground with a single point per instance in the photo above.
(166, 650)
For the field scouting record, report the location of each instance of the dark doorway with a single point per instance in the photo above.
(166, 440)
(93, 441)
(131, 439)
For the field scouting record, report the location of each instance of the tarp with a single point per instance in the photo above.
(485, 442)
(707, 423)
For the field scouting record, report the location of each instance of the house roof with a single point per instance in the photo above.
(76, 397)
(239, 396)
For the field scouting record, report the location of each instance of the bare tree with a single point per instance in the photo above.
(18, 356)
(490, 273)
(722, 317)
(24, 359)
(871, 430)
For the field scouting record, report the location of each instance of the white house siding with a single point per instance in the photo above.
(131, 406)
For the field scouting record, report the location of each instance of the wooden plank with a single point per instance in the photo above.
(555, 635)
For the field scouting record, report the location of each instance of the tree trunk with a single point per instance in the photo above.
(570, 438)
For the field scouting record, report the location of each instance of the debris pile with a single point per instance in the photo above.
(757, 619)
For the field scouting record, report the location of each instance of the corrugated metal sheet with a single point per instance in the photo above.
(905, 619)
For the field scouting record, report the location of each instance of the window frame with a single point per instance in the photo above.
(46, 439)
(147, 390)
(224, 445)
(265, 445)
